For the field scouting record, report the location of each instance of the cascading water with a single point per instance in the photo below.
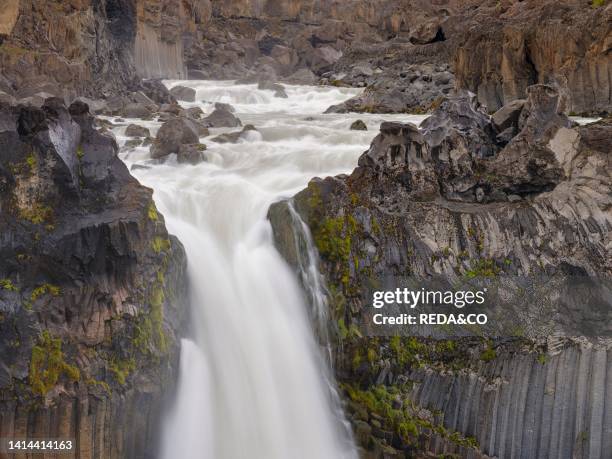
(253, 381)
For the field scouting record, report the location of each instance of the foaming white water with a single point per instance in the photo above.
(253, 384)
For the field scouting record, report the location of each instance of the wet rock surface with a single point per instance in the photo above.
(91, 288)
(174, 135)
(183, 93)
(222, 116)
(233, 137)
(454, 201)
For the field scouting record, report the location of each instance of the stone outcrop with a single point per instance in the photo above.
(95, 48)
(91, 288)
(222, 116)
(456, 201)
(505, 49)
(178, 135)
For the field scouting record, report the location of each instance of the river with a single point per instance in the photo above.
(253, 381)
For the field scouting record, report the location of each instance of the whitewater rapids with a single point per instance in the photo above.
(253, 381)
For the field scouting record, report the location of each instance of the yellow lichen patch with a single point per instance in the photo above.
(152, 212)
(7, 284)
(159, 244)
(43, 289)
(47, 365)
(122, 369)
(36, 214)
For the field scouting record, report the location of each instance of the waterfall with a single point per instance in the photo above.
(254, 382)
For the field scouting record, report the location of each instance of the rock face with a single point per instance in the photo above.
(96, 48)
(412, 49)
(91, 288)
(454, 200)
(417, 89)
(500, 55)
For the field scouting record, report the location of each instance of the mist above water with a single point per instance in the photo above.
(253, 381)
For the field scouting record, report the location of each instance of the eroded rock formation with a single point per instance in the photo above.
(464, 197)
(91, 288)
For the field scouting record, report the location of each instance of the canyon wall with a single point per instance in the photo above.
(92, 288)
(94, 48)
(518, 201)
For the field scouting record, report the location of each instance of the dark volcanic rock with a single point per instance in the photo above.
(233, 137)
(279, 89)
(91, 286)
(134, 130)
(449, 202)
(172, 134)
(183, 93)
(500, 54)
(358, 125)
(417, 90)
(191, 153)
(222, 116)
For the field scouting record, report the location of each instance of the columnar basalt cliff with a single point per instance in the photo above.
(408, 52)
(522, 194)
(518, 44)
(91, 288)
(95, 48)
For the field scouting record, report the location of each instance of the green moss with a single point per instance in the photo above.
(80, 152)
(342, 329)
(542, 358)
(32, 162)
(483, 267)
(47, 365)
(331, 241)
(407, 351)
(122, 368)
(375, 226)
(7, 284)
(149, 331)
(598, 3)
(37, 214)
(152, 212)
(488, 354)
(103, 384)
(43, 289)
(159, 244)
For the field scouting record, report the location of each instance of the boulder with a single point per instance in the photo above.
(156, 91)
(358, 125)
(279, 89)
(191, 153)
(171, 135)
(508, 116)
(132, 143)
(233, 137)
(183, 93)
(221, 117)
(303, 76)
(417, 88)
(135, 130)
(136, 110)
(194, 112)
(427, 32)
(224, 106)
